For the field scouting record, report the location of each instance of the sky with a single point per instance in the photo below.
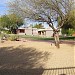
(3, 7)
(4, 10)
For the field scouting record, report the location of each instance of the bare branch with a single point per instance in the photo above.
(43, 10)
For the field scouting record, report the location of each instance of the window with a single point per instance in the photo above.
(22, 30)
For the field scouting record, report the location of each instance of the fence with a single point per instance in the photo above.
(60, 71)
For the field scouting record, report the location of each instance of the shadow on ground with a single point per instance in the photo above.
(21, 72)
(21, 61)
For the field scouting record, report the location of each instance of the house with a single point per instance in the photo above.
(27, 31)
(47, 32)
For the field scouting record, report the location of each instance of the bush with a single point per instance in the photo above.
(13, 37)
(67, 38)
(3, 36)
(68, 32)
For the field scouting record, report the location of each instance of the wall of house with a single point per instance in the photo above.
(49, 33)
(21, 31)
(28, 31)
(31, 31)
(34, 31)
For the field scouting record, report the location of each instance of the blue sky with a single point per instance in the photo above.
(4, 7)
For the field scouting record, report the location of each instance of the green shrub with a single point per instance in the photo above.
(67, 38)
(13, 37)
(3, 36)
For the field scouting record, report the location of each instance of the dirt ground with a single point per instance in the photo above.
(34, 54)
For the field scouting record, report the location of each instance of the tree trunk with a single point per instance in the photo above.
(56, 37)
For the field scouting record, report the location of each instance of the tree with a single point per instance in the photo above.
(69, 26)
(11, 22)
(4, 21)
(44, 11)
(38, 26)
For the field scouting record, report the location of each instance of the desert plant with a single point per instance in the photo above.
(13, 37)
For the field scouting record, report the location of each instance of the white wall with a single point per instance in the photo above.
(49, 33)
(28, 31)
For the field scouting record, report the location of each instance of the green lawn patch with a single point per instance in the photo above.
(45, 38)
